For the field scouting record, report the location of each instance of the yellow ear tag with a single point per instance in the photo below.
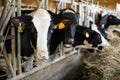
(61, 25)
(87, 34)
(20, 27)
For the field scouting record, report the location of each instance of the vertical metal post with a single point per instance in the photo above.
(19, 39)
(7, 62)
(80, 11)
(64, 5)
(3, 15)
(13, 44)
(46, 4)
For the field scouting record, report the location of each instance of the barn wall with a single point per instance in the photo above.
(106, 3)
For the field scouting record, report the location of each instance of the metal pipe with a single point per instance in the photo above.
(19, 40)
(42, 66)
(7, 62)
(6, 20)
(46, 4)
(13, 44)
(13, 51)
(3, 15)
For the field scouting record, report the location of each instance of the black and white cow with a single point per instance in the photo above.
(89, 38)
(108, 20)
(34, 31)
(85, 36)
(105, 22)
(65, 21)
(37, 31)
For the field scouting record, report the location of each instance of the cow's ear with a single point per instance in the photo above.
(61, 25)
(87, 34)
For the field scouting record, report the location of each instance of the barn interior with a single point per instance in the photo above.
(74, 63)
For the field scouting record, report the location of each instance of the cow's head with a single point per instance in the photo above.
(37, 27)
(103, 22)
(103, 35)
(108, 20)
(70, 19)
(87, 37)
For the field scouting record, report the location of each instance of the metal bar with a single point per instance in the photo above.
(7, 62)
(3, 15)
(13, 45)
(6, 20)
(13, 51)
(7, 38)
(41, 67)
(46, 4)
(18, 40)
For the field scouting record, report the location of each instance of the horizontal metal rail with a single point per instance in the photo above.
(40, 67)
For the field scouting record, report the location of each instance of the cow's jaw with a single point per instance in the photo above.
(41, 20)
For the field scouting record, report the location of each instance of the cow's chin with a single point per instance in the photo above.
(67, 45)
(42, 55)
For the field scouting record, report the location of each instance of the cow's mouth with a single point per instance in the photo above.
(67, 45)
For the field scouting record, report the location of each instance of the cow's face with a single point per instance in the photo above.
(103, 22)
(71, 20)
(41, 21)
(113, 20)
(86, 37)
(104, 42)
(69, 32)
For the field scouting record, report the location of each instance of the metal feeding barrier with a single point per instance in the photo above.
(12, 64)
(9, 11)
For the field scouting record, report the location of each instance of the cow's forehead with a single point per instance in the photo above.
(104, 19)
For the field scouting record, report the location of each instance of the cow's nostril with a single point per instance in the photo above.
(100, 47)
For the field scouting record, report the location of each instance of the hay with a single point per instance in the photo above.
(100, 66)
(104, 65)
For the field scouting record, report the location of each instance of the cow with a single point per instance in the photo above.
(87, 37)
(37, 32)
(34, 34)
(90, 38)
(105, 22)
(65, 22)
(108, 20)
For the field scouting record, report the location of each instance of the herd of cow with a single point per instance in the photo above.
(44, 30)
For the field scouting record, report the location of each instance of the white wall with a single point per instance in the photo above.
(118, 7)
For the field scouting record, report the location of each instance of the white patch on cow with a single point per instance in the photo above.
(70, 11)
(103, 26)
(87, 34)
(67, 45)
(41, 20)
(104, 41)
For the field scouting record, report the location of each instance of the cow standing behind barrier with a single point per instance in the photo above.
(65, 21)
(37, 30)
(33, 31)
(108, 20)
(87, 37)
